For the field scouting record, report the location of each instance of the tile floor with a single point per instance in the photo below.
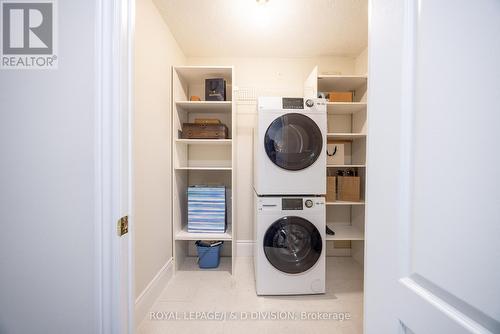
(192, 290)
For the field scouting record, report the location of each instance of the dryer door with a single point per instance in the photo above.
(292, 244)
(293, 141)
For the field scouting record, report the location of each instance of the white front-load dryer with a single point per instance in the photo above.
(289, 254)
(290, 146)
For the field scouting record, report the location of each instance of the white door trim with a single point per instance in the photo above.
(114, 29)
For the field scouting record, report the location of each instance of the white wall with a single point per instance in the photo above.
(47, 186)
(155, 52)
(257, 77)
(361, 62)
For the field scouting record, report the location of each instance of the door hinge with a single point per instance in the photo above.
(122, 226)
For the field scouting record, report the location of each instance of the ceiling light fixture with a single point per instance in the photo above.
(262, 1)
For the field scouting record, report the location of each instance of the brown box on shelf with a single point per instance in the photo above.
(331, 188)
(207, 121)
(348, 188)
(204, 131)
(341, 96)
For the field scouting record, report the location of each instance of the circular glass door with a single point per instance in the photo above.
(293, 141)
(292, 244)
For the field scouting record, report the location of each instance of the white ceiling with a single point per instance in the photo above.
(278, 28)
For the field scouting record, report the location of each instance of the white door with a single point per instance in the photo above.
(433, 189)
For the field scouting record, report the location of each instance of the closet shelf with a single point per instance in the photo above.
(345, 136)
(203, 168)
(327, 82)
(204, 141)
(345, 108)
(345, 232)
(204, 106)
(346, 166)
(200, 73)
(185, 235)
(345, 203)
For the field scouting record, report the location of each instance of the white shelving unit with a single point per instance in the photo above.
(201, 161)
(346, 125)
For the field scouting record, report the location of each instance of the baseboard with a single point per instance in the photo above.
(148, 296)
(244, 248)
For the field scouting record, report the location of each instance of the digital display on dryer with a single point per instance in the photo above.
(293, 103)
(292, 204)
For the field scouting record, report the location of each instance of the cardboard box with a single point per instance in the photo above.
(341, 96)
(348, 188)
(335, 153)
(331, 188)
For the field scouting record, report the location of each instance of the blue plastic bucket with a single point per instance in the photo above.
(208, 256)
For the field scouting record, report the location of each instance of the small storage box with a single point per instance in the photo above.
(206, 209)
(204, 131)
(341, 96)
(215, 89)
(348, 188)
(208, 255)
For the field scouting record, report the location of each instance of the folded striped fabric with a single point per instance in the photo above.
(207, 209)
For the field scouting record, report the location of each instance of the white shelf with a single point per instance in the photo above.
(205, 106)
(204, 141)
(346, 166)
(345, 136)
(203, 168)
(198, 73)
(345, 108)
(345, 203)
(185, 235)
(328, 82)
(345, 232)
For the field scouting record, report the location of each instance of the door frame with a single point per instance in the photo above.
(114, 69)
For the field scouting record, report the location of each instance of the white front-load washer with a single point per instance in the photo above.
(290, 146)
(289, 253)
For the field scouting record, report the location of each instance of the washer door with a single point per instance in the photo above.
(293, 141)
(292, 244)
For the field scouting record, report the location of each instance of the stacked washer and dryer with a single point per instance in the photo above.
(289, 185)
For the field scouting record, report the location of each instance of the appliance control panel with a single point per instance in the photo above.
(290, 203)
(293, 103)
(297, 103)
